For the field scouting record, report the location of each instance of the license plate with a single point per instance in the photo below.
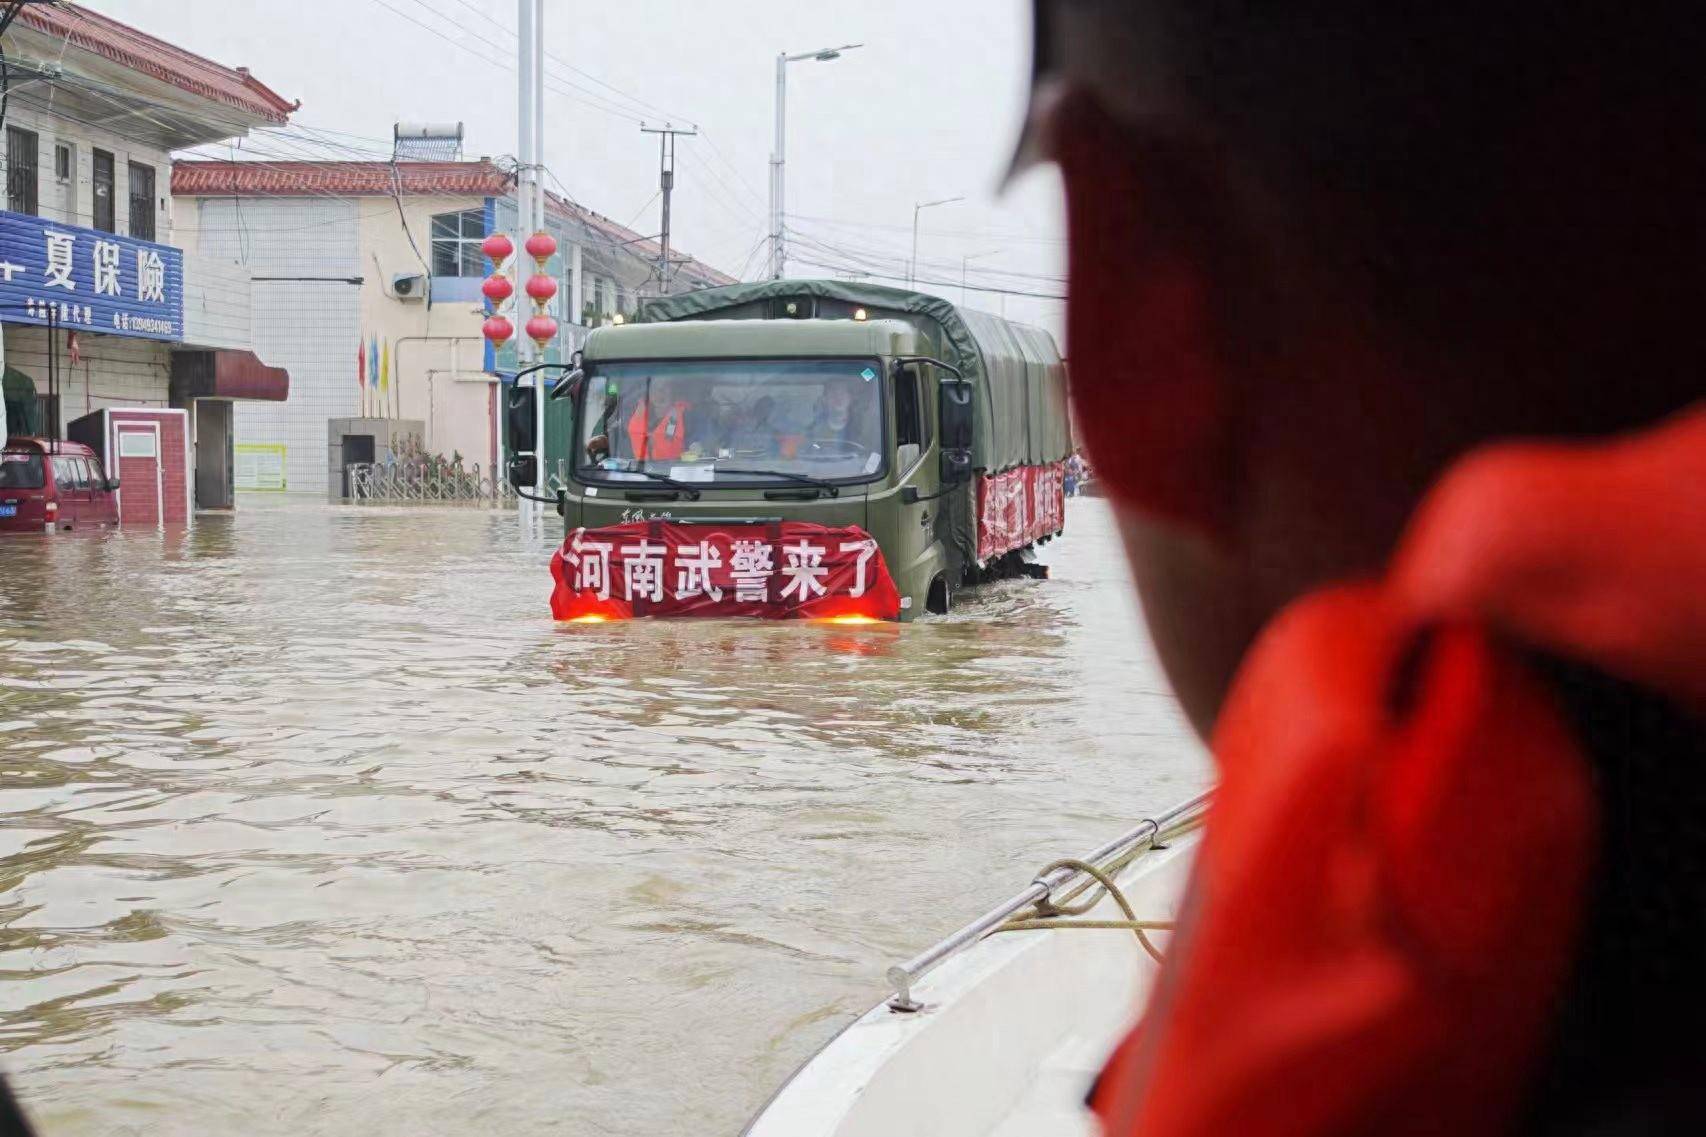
(8, 511)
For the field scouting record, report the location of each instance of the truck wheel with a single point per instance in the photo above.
(937, 601)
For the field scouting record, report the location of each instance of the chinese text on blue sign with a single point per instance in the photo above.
(89, 279)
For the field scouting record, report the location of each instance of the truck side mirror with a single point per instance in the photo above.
(523, 471)
(956, 419)
(569, 386)
(520, 429)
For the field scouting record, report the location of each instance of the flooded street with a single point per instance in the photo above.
(312, 822)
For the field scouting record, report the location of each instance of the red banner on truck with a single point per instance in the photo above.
(772, 570)
(1019, 506)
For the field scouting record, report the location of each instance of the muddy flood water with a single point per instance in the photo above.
(312, 822)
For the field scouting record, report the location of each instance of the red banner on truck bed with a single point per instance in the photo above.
(1019, 506)
(776, 570)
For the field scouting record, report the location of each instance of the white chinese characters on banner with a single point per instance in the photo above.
(60, 248)
(642, 571)
(150, 275)
(751, 564)
(660, 569)
(591, 561)
(804, 569)
(866, 549)
(106, 268)
(693, 565)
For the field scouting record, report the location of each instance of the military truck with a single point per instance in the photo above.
(797, 448)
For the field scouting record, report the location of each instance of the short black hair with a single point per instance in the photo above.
(1524, 182)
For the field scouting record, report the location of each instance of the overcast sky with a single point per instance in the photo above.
(927, 109)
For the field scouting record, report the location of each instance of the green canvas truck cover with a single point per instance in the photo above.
(1016, 369)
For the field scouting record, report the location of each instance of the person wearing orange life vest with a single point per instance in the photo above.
(1385, 347)
(657, 430)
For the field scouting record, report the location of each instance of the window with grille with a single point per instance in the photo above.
(20, 170)
(63, 163)
(105, 214)
(456, 241)
(142, 201)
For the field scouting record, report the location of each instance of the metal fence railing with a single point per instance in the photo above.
(426, 483)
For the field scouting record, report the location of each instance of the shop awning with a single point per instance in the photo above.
(224, 374)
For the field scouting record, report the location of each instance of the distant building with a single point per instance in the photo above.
(371, 295)
(99, 308)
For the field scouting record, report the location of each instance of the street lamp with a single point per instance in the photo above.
(966, 260)
(912, 268)
(778, 156)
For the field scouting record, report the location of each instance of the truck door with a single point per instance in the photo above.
(915, 467)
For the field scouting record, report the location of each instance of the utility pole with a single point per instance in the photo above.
(779, 154)
(965, 261)
(919, 207)
(667, 135)
(530, 199)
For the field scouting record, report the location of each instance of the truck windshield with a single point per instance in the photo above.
(21, 470)
(742, 422)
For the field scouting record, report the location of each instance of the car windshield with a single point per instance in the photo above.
(21, 470)
(735, 421)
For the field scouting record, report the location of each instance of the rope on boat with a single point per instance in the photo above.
(1047, 913)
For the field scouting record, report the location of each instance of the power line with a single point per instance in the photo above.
(590, 98)
(880, 261)
(834, 267)
(980, 234)
(651, 108)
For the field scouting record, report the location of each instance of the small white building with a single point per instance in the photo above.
(367, 289)
(99, 307)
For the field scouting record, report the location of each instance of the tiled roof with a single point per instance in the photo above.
(642, 247)
(348, 179)
(124, 45)
(374, 179)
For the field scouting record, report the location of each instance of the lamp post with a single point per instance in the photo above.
(778, 155)
(912, 266)
(966, 260)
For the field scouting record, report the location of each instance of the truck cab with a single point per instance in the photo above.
(831, 422)
(837, 446)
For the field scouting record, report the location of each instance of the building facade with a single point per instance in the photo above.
(99, 307)
(367, 282)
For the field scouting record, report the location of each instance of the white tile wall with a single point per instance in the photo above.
(310, 328)
(74, 203)
(216, 303)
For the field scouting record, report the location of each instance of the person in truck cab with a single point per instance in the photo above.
(1386, 347)
(841, 424)
(658, 426)
(757, 435)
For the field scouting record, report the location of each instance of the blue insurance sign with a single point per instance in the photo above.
(89, 280)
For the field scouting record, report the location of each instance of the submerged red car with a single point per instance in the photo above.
(47, 485)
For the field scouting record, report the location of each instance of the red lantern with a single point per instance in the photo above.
(497, 288)
(497, 329)
(541, 247)
(541, 287)
(542, 330)
(498, 247)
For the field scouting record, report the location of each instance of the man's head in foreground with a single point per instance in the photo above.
(1320, 249)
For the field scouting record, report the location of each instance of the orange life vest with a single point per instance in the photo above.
(666, 438)
(1391, 892)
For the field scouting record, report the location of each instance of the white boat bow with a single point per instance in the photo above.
(996, 1035)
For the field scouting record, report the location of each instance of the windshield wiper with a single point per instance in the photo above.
(803, 479)
(672, 483)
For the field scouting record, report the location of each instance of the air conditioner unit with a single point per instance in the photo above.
(409, 286)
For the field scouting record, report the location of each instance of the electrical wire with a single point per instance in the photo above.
(881, 265)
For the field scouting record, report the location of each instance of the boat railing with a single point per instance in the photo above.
(904, 976)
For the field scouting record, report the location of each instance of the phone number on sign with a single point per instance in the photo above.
(131, 323)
